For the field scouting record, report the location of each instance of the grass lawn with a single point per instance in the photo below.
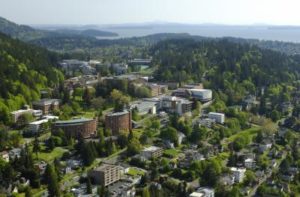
(87, 114)
(50, 156)
(171, 152)
(250, 133)
(135, 172)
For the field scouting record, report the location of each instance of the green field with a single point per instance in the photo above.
(50, 156)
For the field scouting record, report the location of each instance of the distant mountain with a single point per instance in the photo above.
(86, 32)
(97, 33)
(27, 33)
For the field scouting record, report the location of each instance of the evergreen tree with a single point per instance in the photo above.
(28, 192)
(52, 181)
(36, 146)
(87, 96)
(88, 186)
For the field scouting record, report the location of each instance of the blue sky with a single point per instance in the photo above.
(276, 12)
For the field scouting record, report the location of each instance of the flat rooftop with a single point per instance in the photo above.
(152, 148)
(74, 121)
(117, 113)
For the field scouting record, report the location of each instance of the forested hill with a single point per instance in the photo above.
(24, 70)
(235, 68)
(22, 32)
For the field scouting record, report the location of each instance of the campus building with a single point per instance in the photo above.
(77, 128)
(46, 105)
(106, 174)
(118, 121)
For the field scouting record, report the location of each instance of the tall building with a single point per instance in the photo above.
(46, 105)
(106, 174)
(77, 128)
(118, 121)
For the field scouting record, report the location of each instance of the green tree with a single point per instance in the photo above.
(146, 192)
(52, 181)
(170, 134)
(36, 146)
(88, 186)
(28, 192)
(134, 146)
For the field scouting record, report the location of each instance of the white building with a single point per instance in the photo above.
(238, 173)
(152, 152)
(35, 126)
(203, 192)
(219, 117)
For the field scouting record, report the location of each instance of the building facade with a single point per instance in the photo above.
(106, 174)
(118, 121)
(77, 128)
(218, 117)
(46, 105)
(152, 152)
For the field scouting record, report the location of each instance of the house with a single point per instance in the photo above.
(249, 163)
(218, 117)
(4, 155)
(265, 146)
(249, 102)
(227, 179)
(181, 137)
(189, 156)
(203, 192)
(207, 122)
(152, 152)
(238, 174)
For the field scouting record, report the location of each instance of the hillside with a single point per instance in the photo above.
(25, 69)
(27, 33)
(86, 32)
(21, 32)
(235, 69)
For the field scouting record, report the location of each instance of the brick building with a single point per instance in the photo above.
(46, 105)
(77, 128)
(118, 121)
